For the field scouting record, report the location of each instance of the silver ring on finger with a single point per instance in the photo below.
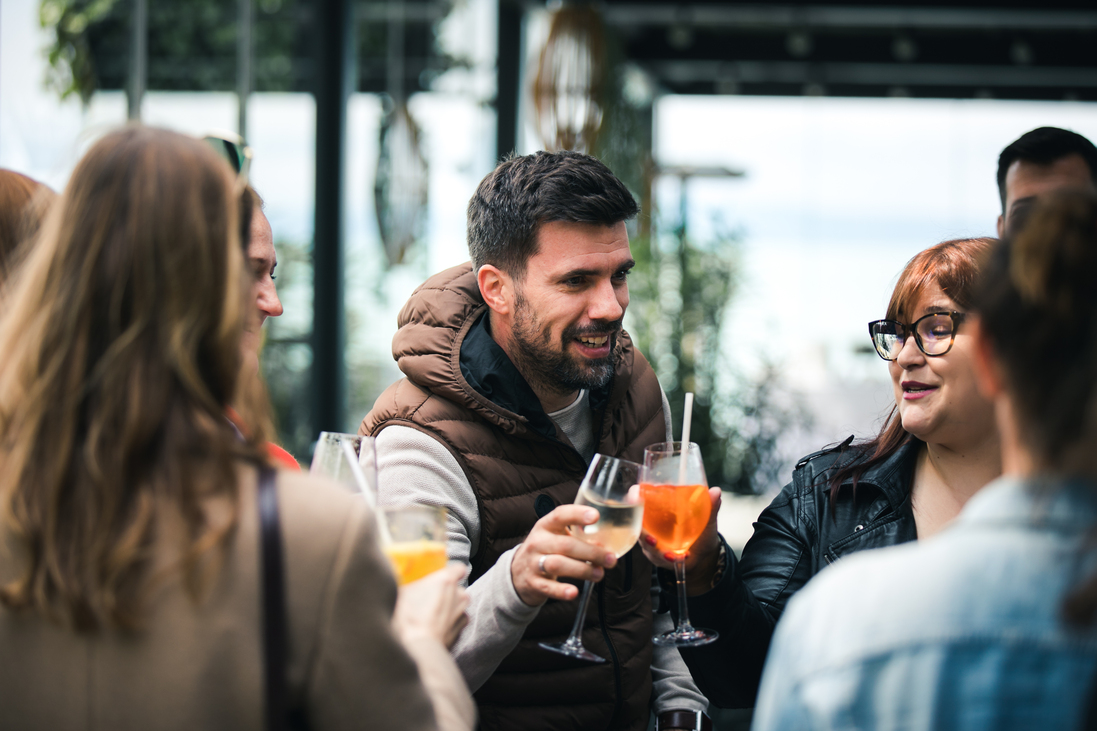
(541, 566)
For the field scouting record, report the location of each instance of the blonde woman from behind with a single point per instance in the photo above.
(129, 534)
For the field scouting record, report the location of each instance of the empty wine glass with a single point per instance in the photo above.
(331, 460)
(612, 487)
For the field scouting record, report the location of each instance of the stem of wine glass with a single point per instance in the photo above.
(580, 618)
(683, 611)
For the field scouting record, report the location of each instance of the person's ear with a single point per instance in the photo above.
(1001, 225)
(497, 289)
(988, 374)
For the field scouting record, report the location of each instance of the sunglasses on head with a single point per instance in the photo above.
(232, 149)
(235, 151)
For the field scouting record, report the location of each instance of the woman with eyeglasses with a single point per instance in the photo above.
(137, 567)
(993, 623)
(938, 447)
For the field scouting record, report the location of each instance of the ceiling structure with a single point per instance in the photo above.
(942, 49)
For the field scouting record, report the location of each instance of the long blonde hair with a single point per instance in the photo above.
(121, 345)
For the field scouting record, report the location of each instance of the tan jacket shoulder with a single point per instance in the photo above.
(200, 665)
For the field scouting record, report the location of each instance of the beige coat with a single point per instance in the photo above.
(200, 666)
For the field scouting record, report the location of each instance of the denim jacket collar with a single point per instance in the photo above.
(1069, 505)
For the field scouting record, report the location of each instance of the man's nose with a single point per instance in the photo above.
(608, 303)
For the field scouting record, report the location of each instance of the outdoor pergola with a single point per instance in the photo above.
(934, 48)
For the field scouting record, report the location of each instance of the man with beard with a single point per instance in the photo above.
(517, 373)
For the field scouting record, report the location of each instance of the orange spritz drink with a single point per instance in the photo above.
(675, 514)
(676, 510)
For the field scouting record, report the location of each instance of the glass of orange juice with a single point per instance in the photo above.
(418, 545)
(676, 511)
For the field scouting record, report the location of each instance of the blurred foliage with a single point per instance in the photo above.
(758, 414)
(71, 67)
(680, 293)
(192, 46)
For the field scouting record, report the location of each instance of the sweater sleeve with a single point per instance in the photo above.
(414, 467)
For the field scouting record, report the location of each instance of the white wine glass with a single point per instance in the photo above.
(612, 487)
(677, 509)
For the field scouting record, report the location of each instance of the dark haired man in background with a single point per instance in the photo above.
(518, 372)
(1040, 161)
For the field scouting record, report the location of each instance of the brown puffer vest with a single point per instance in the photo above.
(463, 390)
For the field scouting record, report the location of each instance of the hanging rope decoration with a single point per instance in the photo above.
(400, 188)
(569, 89)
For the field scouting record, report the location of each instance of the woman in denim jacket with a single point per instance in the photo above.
(991, 623)
(937, 448)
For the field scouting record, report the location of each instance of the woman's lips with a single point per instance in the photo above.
(913, 390)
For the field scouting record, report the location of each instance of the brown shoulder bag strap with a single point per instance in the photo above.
(274, 604)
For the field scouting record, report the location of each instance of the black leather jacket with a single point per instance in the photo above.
(794, 538)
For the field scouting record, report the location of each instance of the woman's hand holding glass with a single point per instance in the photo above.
(433, 606)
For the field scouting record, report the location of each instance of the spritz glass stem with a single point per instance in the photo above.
(683, 611)
(574, 639)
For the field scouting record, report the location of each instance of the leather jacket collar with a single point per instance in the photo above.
(892, 476)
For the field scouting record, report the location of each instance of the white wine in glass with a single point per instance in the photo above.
(618, 525)
(612, 487)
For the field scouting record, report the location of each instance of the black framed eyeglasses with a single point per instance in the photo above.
(234, 150)
(934, 334)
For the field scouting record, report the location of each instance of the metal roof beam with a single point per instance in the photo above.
(792, 72)
(784, 17)
(412, 12)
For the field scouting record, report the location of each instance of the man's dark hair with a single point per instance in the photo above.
(523, 193)
(1043, 146)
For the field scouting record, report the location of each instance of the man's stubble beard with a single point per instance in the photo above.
(556, 370)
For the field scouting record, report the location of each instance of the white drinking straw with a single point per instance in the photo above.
(687, 417)
(367, 491)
